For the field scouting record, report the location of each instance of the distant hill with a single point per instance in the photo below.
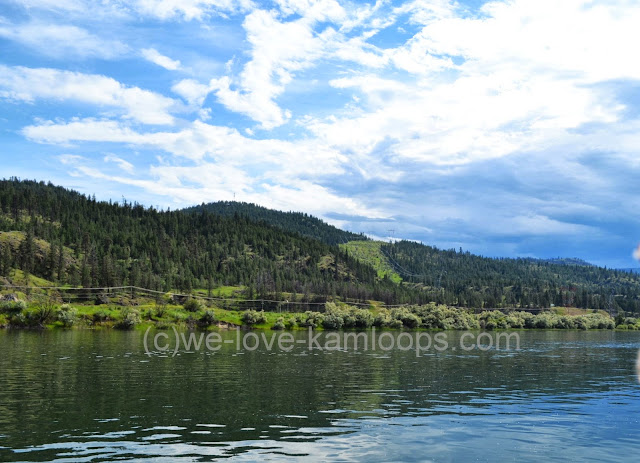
(461, 278)
(630, 270)
(298, 222)
(568, 261)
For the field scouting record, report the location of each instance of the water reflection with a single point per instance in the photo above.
(86, 396)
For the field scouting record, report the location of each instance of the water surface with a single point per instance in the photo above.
(95, 396)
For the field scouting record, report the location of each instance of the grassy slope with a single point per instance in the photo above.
(369, 252)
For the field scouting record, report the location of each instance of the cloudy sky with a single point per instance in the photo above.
(507, 128)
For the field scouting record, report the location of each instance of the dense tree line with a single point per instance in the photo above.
(67, 237)
(298, 222)
(463, 279)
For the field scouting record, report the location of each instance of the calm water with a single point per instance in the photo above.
(96, 396)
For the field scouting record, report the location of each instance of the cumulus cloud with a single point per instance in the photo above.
(360, 116)
(28, 84)
(192, 91)
(152, 55)
(62, 41)
(278, 50)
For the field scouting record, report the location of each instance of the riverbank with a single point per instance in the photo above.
(18, 314)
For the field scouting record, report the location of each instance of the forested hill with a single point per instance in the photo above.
(568, 261)
(68, 238)
(460, 278)
(298, 222)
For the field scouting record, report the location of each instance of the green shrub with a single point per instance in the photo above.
(192, 305)
(253, 317)
(279, 324)
(310, 319)
(622, 327)
(40, 316)
(566, 322)
(362, 318)
(382, 319)
(161, 310)
(19, 319)
(4, 321)
(100, 316)
(208, 318)
(332, 321)
(12, 307)
(130, 318)
(520, 320)
(546, 320)
(67, 315)
(406, 317)
(493, 319)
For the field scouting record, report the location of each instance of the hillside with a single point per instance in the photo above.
(69, 238)
(298, 222)
(460, 278)
(568, 261)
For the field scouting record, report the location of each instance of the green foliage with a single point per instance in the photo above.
(192, 305)
(336, 318)
(35, 317)
(441, 317)
(382, 319)
(462, 279)
(208, 318)
(369, 253)
(310, 319)
(129, 319)
(332, 321)
(12, 307)
(298, 222)
(406, 317)
(253, 317)
(100, 316)
(64, 236)
(279, 324)
(67, 315)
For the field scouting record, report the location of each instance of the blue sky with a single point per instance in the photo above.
(505, 128)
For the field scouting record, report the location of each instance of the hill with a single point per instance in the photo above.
(69, 238)
(630, 270)
(298, 222)
(460, 278)
(567, 261)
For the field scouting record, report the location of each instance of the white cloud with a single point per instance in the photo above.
(199, 140)
(189, 9)
(28, 84)
(192, 91)
(518, 78)
(122, 163)
(152, 55)
(62, 41)
(70, 159)
(315, 10)
(63, 5)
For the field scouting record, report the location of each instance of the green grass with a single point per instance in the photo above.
(575, 311)
(369, 252)
(221, 291)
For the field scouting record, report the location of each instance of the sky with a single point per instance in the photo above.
(506, 128)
